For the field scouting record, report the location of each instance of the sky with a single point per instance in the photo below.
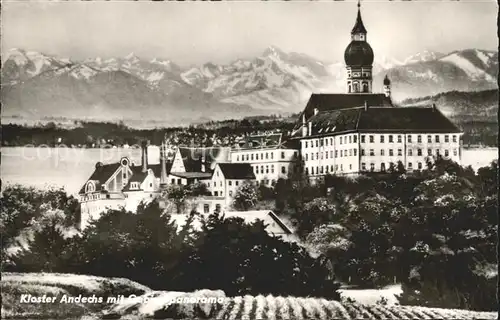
(220, 32)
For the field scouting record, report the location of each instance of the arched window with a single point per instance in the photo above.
(355, 87)
(349, 88)
(365, 87)
(90, 187)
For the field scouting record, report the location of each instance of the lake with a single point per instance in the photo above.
(70, 167)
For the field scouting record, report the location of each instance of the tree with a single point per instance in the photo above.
(178, 194)
(488, 179)
(24, 207)
(246, 196)
(48, 249)
(146, 246)
(253, 262)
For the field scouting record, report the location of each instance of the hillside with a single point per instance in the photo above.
(165, 304)
(462, 106)
(35, 85)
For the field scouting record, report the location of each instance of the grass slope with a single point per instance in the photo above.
(14, 285)
(163, 304)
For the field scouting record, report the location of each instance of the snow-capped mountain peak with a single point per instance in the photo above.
(132, 58)
(424, 56)
(273, 51)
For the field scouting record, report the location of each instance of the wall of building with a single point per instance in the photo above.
(268, 164)
(411, 150)
(354, 152)
(93, 209)
(134, 198)
(331, 155)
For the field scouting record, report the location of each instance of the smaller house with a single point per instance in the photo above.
(274, 225)
(191, 165)
(227, 178)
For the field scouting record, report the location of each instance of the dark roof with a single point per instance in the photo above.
(136, 177)
(101, 174)
(359, 27)
(192, 175)
(407, 119)
(336, 101)
(192, 156)
(240, 171)
(335, 121)
(382, 119)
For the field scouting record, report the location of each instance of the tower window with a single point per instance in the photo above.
(356, 87)
(365, 87)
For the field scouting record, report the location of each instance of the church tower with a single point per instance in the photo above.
(358, 58)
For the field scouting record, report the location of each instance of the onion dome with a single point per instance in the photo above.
(387, 82)
(358, 53)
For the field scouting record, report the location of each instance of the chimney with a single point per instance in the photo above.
(366, 105)
(144, 156)
(433, 107)
(310, 128)
(316, 111)
(163, 162)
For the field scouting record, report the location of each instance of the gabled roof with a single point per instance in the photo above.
(337, 101)
(237, 171)
(191, 157)
(101, 174)
(380, 119)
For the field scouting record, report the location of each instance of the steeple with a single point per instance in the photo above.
(359, 31)
(358, 58)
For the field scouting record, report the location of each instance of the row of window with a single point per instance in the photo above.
(256, 169)
(324, 169)
(331, 168)
(382, 139)
(353, 152)
(410, 152)
(383, 167)
(206, 208)
(229, 183)
(342, 153)
(95, 196)
(399, 138)
(261, 155)
(329, 141)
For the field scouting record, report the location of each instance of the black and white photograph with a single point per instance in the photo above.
(225, 160)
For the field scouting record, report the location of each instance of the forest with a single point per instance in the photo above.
(216, 133)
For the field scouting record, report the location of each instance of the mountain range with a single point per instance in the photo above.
(35, 85)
